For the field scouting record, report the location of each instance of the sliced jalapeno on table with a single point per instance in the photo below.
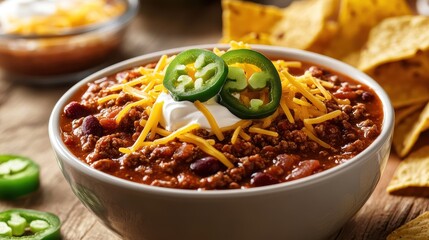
(29, 224)
(195, 74)
(252, 91)
(18, 176)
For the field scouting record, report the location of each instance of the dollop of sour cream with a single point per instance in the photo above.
(177, 114)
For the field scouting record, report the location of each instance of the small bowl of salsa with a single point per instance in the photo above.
(224, 142)
(50, 42)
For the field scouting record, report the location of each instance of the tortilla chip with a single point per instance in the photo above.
(256, 38)
(411, 177)
(306, 25)
(355, 20)
(351, 58)
(416, 229)
(241, 19)
(357, 17)
(403, 113)
(407, 133)
(396, 39)
(403, 86)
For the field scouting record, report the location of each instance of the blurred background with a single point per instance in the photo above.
(158, 25)
(67, 58)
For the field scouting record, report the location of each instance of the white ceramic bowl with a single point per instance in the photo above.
(314, 207)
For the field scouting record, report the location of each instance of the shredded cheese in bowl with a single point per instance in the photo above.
(57, 41)
(43, 17)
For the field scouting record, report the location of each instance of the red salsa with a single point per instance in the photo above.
(92, 133)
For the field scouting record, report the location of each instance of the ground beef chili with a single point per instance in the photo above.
(91, 133)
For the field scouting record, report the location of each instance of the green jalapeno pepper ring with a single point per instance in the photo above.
(18, 176)
(210, 75)
(24, 224)
(267, 78)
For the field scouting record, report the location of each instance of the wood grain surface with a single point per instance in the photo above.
(25, 109)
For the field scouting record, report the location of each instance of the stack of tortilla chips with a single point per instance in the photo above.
(416, 229)
(383, 38)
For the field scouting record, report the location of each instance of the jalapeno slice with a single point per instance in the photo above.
(29, 224)
(195, 74)
(250, 94)
(18, 176)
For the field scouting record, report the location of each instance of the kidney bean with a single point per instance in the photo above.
(334, 79)
(75, 110)
(262, 179)
(286, 161)
(341, 94)
(108, 123)
(162, 152)
(367, 96)
(206, 166)
(345, 91)
(184, 152)
(91, 125)
(305, 168)
(316, 71)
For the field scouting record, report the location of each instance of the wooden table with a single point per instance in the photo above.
(24, 113)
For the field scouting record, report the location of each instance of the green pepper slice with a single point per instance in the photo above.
(195, 74)
(18, 176)
(265, 80)
(29, 225)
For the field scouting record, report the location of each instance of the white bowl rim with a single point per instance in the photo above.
(338, 66)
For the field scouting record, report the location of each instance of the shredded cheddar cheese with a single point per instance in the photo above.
(163, 132)
(287, 64)
(126, 109)
(235, 135)
(173, 135)
(107, 98)
(206, 147)
(266, 122)
(316, 139)
(152, 121)
(161, 64)
(301, 102)
(135, 92)
(320, 87)
(239, 45)
(323, 118)
(243, 124)
(286, 110)
(263, 131)
(210, 119)
(244, 135)
(139, 80)
(342, 101)
(319, 104)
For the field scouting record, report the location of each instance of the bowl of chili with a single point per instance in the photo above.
(314, 135)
